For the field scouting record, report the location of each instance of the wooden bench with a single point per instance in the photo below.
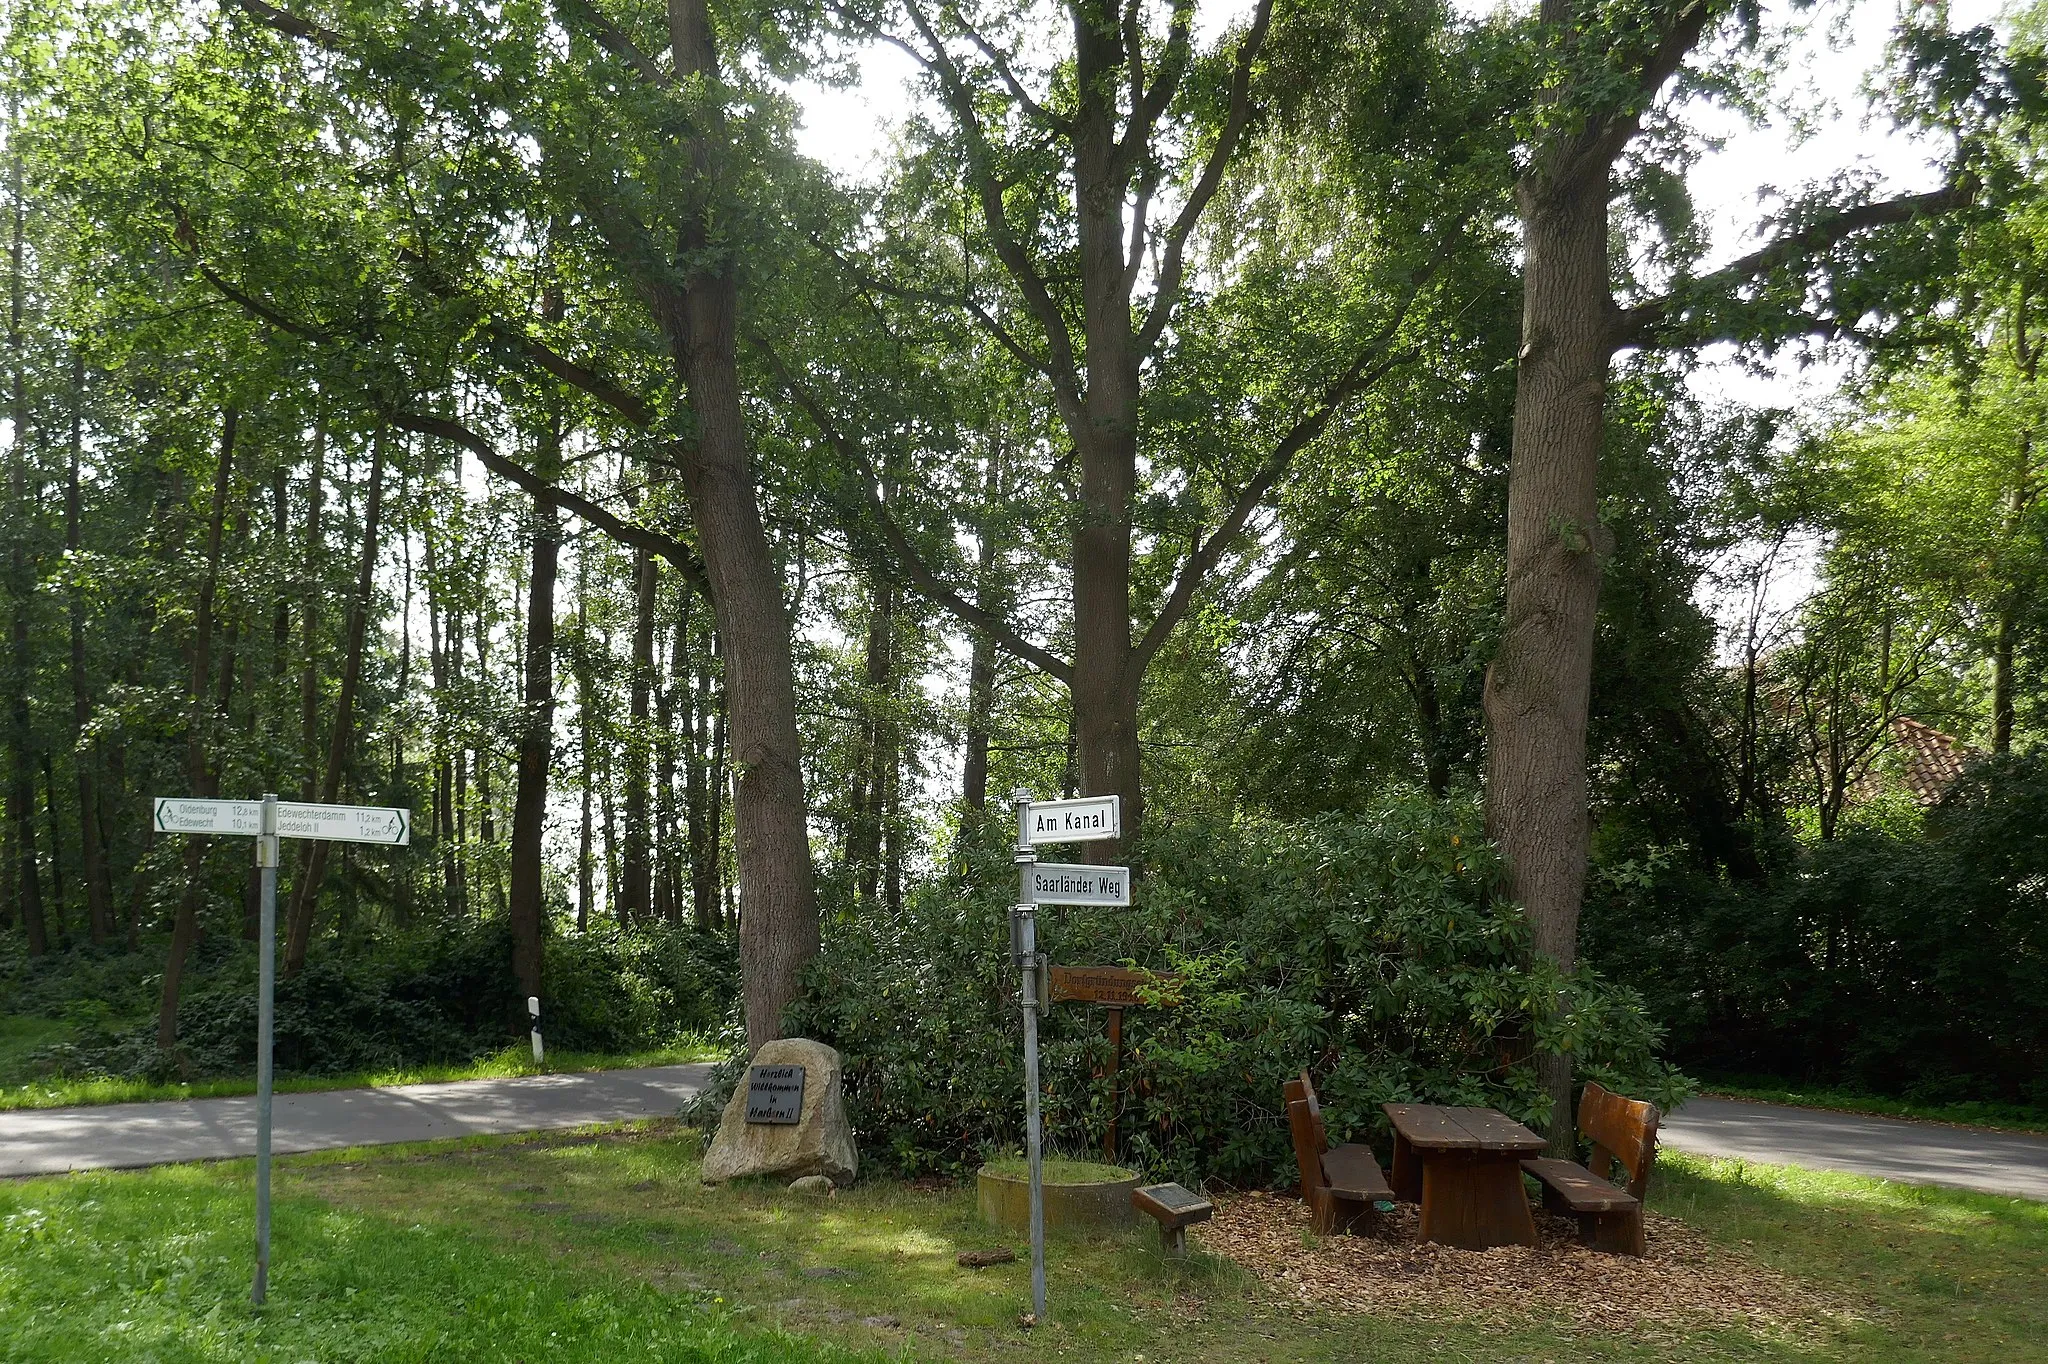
(1340, 1186)
(1622, 1131)
(1174, 1209)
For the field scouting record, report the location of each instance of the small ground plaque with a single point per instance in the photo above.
(775, 1094)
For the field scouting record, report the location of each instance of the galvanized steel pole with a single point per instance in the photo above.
(1024, 939)
(266, 1008)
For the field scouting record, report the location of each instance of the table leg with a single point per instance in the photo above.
(1474, 1199)
(1407, 1173)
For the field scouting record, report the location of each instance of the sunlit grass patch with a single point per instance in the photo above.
(603, 1245)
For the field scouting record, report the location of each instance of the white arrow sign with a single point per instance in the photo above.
(1059, 883)
(1073, 821)
(334, 823)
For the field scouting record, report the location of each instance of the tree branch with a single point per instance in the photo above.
(613, 39)
(908, 561)
(1211, 179)
(1647, 323)
(628, 533)
(1372, 362)
(1003, 336)
(1064, 370)
(1043, 116)
(292, 26)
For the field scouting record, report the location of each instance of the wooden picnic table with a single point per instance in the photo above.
(1464, 1165)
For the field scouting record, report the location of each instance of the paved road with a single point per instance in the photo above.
(117, 1136)
(1890, 1148)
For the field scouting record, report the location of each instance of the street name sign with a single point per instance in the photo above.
(334, 823)
(1073, 821)
(1060, 883)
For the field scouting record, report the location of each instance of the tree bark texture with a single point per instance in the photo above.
(526, 908)
(306, 893)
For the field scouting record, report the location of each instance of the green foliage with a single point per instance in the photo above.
(1889, 961)
(1373, 950)
(423, 998)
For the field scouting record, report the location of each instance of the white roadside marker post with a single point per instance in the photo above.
(268, 820)
(533, 1009)
(1081, 820)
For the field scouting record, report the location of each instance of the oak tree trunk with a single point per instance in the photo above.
(1539, 684)
(778, 910)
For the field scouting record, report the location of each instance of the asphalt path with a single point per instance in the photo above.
(40, 1141)
(2010, 1163)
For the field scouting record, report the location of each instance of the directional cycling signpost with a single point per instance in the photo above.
(1053, 883)
(268, 820)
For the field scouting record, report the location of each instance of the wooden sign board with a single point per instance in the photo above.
(1111, 985)
(775, 1094)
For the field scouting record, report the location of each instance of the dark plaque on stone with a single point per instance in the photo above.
(775, 1094)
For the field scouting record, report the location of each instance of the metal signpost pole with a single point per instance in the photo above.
(1024, 942)
(266, 1008)
(267, 820)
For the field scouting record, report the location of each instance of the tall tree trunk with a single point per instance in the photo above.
(199, 773)
(1538, 687)
(586, 865)
(20, 668)
(1104, 694)
(698, 778)
(99, 888)
(63, 929)
(877, 754)
(668, 900)
(306, 894)
(636, 877)
(536, 751)
(309, 623)
(458, 789)
(981, 664)
(779, 911)
(721, 889)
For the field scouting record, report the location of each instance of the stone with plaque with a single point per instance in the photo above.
(787, 1120)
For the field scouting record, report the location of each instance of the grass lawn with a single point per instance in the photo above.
(517, 1059)
(605, 1247)
(2011, 1117)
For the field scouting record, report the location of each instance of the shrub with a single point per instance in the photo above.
(1374, 950)
(1889, 960)
(423, 996)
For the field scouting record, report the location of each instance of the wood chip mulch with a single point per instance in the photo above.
(1685, 1282)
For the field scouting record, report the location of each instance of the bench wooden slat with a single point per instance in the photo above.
(1581, 1190)
(1353, 1173)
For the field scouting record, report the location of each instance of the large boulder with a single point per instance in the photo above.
(819, 1142)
